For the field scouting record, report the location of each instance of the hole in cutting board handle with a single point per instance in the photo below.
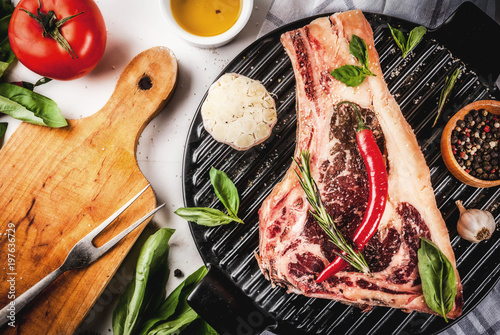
(145, 83)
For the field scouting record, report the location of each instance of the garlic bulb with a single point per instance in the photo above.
(475, 225)
(239, 111)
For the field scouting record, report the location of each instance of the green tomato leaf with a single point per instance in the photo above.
(415, 36)
(438, 278)
(400, 39)
(204, 216)
(358, 48)
(225, 190)
(25, 105)
(168, 318)
(146, 290)
(42, 81)
(350, 75)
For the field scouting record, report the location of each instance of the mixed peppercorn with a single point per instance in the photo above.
(475, 142)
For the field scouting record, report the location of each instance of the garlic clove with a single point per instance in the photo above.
(474, 225)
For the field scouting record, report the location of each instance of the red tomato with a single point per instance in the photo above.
(85, 33)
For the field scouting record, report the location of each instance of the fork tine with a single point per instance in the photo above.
(101, 250)
(113, 216)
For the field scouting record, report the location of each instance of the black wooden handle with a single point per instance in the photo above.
(226, 308)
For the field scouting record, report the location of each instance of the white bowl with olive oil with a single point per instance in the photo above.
(207, 23)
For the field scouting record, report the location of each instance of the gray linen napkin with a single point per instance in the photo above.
(484, 319)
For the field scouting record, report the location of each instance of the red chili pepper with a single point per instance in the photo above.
(377, 177)
(487, 129)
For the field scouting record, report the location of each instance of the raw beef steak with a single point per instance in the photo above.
(293, 249)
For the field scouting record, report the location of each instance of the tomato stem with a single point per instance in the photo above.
(50, 26)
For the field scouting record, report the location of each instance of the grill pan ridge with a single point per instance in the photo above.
(415, 82)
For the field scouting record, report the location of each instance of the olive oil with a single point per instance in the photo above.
(206, 17)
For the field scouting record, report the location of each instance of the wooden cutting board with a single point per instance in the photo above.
(56, 185)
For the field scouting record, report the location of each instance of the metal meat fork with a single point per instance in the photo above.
(82, 254)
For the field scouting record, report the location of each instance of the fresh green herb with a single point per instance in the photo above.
(226, 192)
(204, 216)
(313, 195)
(143, 308)
(353, 75)
(449, 83)
(144, 294)
(175, 314)
(414, 37)
(358, 49)
(438, 278)
(26, 105)
(350, 75)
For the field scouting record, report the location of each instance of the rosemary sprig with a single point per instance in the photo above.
(349, 254)
(449, 83)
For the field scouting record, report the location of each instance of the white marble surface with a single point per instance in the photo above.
(134, 26)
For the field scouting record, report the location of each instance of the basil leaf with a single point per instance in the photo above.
(351, 75)
(169, 311)
(415, 36)
(225, 190)
(204, 216)
(438, 278)
(449, 83)
(178, 323)
(400, 39)
(147, 289)
(358, 48)
(25, 105)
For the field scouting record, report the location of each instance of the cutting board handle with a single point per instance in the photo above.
(141, 92)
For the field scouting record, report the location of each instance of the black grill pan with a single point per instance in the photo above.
(234, 297)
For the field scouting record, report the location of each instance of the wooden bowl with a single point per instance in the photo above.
(451, 163)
